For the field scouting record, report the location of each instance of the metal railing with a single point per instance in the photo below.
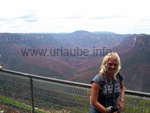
(28, 92)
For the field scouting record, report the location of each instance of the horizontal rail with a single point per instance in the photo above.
(131, 92)
(47, 78)
(137, 93)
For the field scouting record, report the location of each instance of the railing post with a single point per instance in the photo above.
(32, 97)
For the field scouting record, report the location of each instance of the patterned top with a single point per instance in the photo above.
(106, 94)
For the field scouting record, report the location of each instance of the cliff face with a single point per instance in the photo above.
(126, 44)
(142, 43)
(32, 40)
(136, 64)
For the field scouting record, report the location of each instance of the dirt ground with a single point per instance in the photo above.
(4, 109)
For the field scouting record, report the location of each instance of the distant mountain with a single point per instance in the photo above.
(31, 40)
(103, 32)
(13, 48)
(96, 32)
(134, 51)
(13, 45)
(85, 39)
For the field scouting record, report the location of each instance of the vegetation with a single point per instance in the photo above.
(52, 97)
(21, 106)
(135, 104)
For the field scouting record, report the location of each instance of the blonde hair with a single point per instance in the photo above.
(115, 56)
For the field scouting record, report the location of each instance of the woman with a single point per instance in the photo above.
(107, 86)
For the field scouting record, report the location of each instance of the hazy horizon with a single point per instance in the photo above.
(65, 16)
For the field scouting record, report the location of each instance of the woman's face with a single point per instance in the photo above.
(111, 66)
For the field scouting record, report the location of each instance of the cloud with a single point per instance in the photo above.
(117, 16)
(31, 20)
(5, 21)
(28, 18)
(2, 19)
(75, 17)
(145, 20)
(108, 17)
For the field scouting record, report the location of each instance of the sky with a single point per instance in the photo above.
(65, 16)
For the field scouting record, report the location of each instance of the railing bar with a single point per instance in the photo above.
(134, 96)
(62, 100)
(58, 84)
(18, 95)
(51, 89)
(32, 96)
(140, 98)
(69, 82)
(7, 96)
(60, 91)
(85, 97)
(48, 78)
(15, 93)
(72, 95)
(137, 93)
(15, 76)
(136, 106)
(15, 82)
(15, 89)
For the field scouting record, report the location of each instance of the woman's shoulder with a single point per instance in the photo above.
(120, 76)
(96, 79)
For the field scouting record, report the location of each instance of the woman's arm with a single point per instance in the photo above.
(94, 98)
(121, 101)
